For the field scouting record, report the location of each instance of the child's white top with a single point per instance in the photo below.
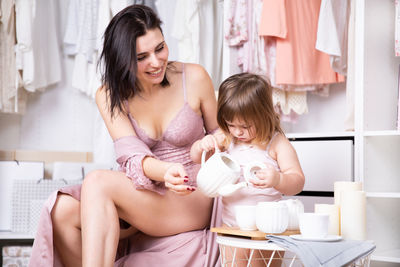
(244, 154)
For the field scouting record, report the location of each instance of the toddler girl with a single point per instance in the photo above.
(250, 131)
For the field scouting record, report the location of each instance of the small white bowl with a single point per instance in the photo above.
(272, 217)
(246, 217)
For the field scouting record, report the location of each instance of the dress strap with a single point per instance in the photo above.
(183, 81)
(270, 141)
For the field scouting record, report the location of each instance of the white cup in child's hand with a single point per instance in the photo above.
(246, 217)
(314, 225)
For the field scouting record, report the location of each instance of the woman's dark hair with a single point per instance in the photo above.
(119, 53)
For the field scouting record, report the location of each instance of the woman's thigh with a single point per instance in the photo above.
(147, 211)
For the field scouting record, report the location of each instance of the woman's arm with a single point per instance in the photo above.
(203, 96)
(120, 128)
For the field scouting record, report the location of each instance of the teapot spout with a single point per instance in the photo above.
(230, 189)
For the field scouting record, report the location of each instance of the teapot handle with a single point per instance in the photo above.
(203, 154)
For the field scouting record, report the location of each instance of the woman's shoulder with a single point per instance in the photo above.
(192, 71)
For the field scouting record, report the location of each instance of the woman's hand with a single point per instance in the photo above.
(175, 178)
(267, 177)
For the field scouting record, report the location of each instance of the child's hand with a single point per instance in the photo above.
(207, 143)
(267, 178)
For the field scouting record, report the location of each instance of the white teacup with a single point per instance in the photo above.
(314, 225)
(246, 217)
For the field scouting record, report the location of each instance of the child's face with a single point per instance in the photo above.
(241, 130)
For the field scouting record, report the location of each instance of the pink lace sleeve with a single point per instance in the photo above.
(130, 152)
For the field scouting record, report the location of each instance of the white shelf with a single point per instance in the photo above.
(383, 195)
(387, 256)
(382, 133)
(320, 134)
(15, 236)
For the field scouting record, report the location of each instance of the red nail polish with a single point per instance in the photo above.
(186, 176)
(188, 188)
(193, 189)
(186, 180)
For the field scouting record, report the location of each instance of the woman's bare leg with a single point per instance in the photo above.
(66, 230)
(109, 195)
(100, 241)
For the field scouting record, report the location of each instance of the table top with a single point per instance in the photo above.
(241, 242)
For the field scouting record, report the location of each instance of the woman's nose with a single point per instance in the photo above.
(154, 61)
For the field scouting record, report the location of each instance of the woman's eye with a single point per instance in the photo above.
(160, 48)
(141, 58)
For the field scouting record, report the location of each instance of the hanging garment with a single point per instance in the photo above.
(25, 16)
(81, 39)
(211, 32)
(236, 29)
(332, 32)
(397, 29)
(38, 54)
(13, 98)
(290, 101)
(295, 23)
(186, 30)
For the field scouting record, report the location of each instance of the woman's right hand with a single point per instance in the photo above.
(175, 178)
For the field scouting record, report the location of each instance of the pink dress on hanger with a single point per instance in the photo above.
(194, 248)
(295, 25)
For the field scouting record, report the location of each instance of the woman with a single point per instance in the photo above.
(154, 110)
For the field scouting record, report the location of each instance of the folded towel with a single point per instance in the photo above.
(326, 254)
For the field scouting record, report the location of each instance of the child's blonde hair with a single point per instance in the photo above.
(248, 97)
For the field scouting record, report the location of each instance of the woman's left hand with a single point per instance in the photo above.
(175, 178)
(267, 178)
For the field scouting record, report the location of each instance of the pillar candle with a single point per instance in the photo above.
(333, 211)
(353, 221)
(341, 186)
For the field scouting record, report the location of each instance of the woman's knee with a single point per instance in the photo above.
(97, 183)
(94, 180)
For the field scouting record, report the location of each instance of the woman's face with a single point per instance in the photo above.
(152, 58)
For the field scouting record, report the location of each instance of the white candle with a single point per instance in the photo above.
(333, 211)
(353, 221)
(339, 187)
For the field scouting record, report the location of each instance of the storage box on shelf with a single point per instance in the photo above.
(43, 163)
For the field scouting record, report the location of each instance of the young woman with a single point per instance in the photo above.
(154, 110)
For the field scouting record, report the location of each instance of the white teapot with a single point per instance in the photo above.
(215, 173)
(219, 174)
